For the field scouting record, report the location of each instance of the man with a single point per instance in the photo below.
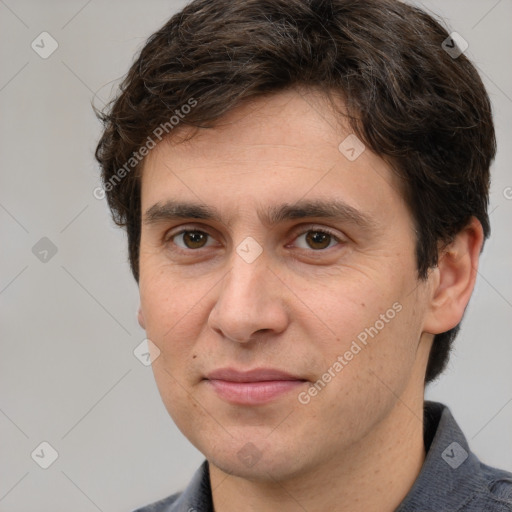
(305, 185)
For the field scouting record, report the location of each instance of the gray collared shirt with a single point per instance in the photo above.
(452, 478)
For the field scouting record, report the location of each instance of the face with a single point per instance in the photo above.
(279, 283)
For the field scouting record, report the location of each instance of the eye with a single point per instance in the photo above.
(313, 238)
(317, 239)
(190, 239)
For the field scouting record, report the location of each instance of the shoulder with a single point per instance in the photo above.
(160, 505)
(496, 493)
(452, 477)
(196, 496)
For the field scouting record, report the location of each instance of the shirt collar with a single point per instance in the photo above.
(450, 476)
(197, 497)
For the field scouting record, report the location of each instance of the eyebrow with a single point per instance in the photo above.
(330, 209)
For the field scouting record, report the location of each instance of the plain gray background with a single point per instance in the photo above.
(68, 375)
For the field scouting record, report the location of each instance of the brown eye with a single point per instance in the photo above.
(191, 239)
(316, 239)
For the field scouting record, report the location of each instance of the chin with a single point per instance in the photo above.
(269, 464)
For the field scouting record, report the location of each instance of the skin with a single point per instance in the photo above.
(358, 444)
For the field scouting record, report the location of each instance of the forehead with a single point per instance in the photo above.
(294, 119)
(279, 149)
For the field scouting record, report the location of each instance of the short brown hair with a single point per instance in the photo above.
(408, 100)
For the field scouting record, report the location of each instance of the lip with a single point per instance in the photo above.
(255, 375)
(252, 387)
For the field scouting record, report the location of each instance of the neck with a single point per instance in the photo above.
(373, 475)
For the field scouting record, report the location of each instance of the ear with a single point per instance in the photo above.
(453, 280)
(140, 318)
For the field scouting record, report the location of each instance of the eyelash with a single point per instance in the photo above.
(310, 229)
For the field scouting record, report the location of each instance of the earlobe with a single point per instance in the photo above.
(140, 318)
(454, 279)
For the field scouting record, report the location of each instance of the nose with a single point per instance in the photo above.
(250, 302)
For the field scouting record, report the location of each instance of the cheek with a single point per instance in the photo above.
(363, 374)
(343, 308)
(170, 309)
(173, 388)
(172, 312)
(370, 321)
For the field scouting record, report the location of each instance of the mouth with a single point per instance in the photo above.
(253, 387)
